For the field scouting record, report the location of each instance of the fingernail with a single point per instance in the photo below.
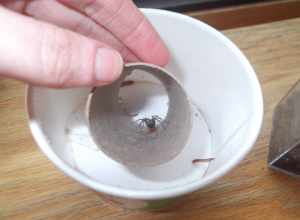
(108, 65)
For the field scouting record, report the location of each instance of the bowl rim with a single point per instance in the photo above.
(257, 119)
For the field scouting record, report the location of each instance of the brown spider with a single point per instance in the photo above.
(150, 123)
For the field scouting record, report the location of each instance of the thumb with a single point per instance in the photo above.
(43, 54)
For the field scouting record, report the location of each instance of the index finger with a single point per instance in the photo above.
(124, 20)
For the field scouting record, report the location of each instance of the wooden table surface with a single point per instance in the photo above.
(32, 188)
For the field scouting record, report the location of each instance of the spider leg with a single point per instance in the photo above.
(157, 118)
(162, 122)
(138, 122)
(141, 124)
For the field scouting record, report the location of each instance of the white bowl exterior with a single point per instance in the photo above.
(214, 73)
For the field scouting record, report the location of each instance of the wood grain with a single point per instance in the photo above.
(32, 188)
(249, 14)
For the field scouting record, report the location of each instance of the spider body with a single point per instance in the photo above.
(151, 123)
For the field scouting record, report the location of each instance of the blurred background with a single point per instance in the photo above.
(225, 14)
(185, 5)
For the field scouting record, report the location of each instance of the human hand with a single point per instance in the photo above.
(69, 43)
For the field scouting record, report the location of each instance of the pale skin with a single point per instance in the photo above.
(71, 43)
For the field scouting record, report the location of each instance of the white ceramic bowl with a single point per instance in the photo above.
(214, 73)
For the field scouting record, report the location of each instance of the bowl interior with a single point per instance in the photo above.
(217, 78)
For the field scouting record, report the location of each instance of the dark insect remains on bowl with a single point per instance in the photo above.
(127, 83)
(198, 160)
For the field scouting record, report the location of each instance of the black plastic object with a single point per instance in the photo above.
(284, 149)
